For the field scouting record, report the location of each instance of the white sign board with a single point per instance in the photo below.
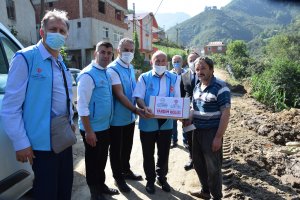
(170, 107)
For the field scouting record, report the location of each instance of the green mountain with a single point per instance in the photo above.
(239, 20)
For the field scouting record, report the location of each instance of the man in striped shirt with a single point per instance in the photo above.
(211, 111)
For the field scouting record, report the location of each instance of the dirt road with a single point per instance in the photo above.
(254, 166)
(256, 169)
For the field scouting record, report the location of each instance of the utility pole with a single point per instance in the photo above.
(133, 17)
(177, 34)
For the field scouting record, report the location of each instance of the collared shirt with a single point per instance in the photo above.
(84, 91)
(175, 72)
(140, 88)
(209, 103)
(15, 93)
(115, 79)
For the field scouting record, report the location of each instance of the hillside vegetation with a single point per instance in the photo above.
(239, 20)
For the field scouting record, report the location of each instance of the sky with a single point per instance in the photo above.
(190, 7)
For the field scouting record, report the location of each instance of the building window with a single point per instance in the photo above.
(118, 36)
(50, 4)
(101, 7)
(219, 48)
(10, 6)
(78, 24)
(118, 14)
(106, 32)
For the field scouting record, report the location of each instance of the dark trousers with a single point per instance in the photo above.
(189, 139)
(174, 132)
(163, 142)
(95, 158)
(207, 163)
(53, 175)
(121, 139)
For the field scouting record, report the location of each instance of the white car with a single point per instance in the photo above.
(74, 72)
(15, 178)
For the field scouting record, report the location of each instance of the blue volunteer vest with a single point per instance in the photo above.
(100, 105)
(152, 84)
(38, 98)
(123, 116)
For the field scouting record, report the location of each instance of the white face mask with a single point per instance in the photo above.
(192, 66)
(159, 69)
(127, 57)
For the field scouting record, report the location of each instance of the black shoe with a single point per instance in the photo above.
(132, 176)
(97, 197)
(110, 191)
(189, 166)
(123, 187)
(95, 193)
(164, 185)
(173, 145)
(150, 188)
(201, 195)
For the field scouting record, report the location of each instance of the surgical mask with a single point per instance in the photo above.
(127, 57)
(176, 65)
(192, 66)
(159, 69)
(55, 40)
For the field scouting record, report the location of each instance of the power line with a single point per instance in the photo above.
(158, 6)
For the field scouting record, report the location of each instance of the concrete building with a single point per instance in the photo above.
(147, 30)
(214, 47)
(19, 17)
(90, 22)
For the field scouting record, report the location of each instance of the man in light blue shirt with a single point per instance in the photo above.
(36, 92)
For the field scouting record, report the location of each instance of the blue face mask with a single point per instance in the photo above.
(55, 40)
(176, 65)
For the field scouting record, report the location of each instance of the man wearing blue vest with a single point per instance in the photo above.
(95, 110)
(124, 116)
(211, 111)
(156, 82)
(37, 89)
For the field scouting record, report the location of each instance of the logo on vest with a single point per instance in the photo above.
(171, 89)
(39, 70)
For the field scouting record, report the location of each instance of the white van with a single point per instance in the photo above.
(15, 178)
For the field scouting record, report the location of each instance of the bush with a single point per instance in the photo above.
(278, 86)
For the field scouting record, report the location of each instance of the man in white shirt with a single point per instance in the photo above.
(95, 110)
(156, 82)
(123, 121)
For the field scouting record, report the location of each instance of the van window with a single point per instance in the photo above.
(7, 51)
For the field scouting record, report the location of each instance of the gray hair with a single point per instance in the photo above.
(57, 14)
(158, 53)
(179, 56)
(125, 40)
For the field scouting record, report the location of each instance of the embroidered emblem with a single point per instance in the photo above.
(171, 89)
(39, 70)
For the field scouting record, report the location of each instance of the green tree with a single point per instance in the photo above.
(138, 60)
(237, 49)
(238, 58)
(283, 46)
